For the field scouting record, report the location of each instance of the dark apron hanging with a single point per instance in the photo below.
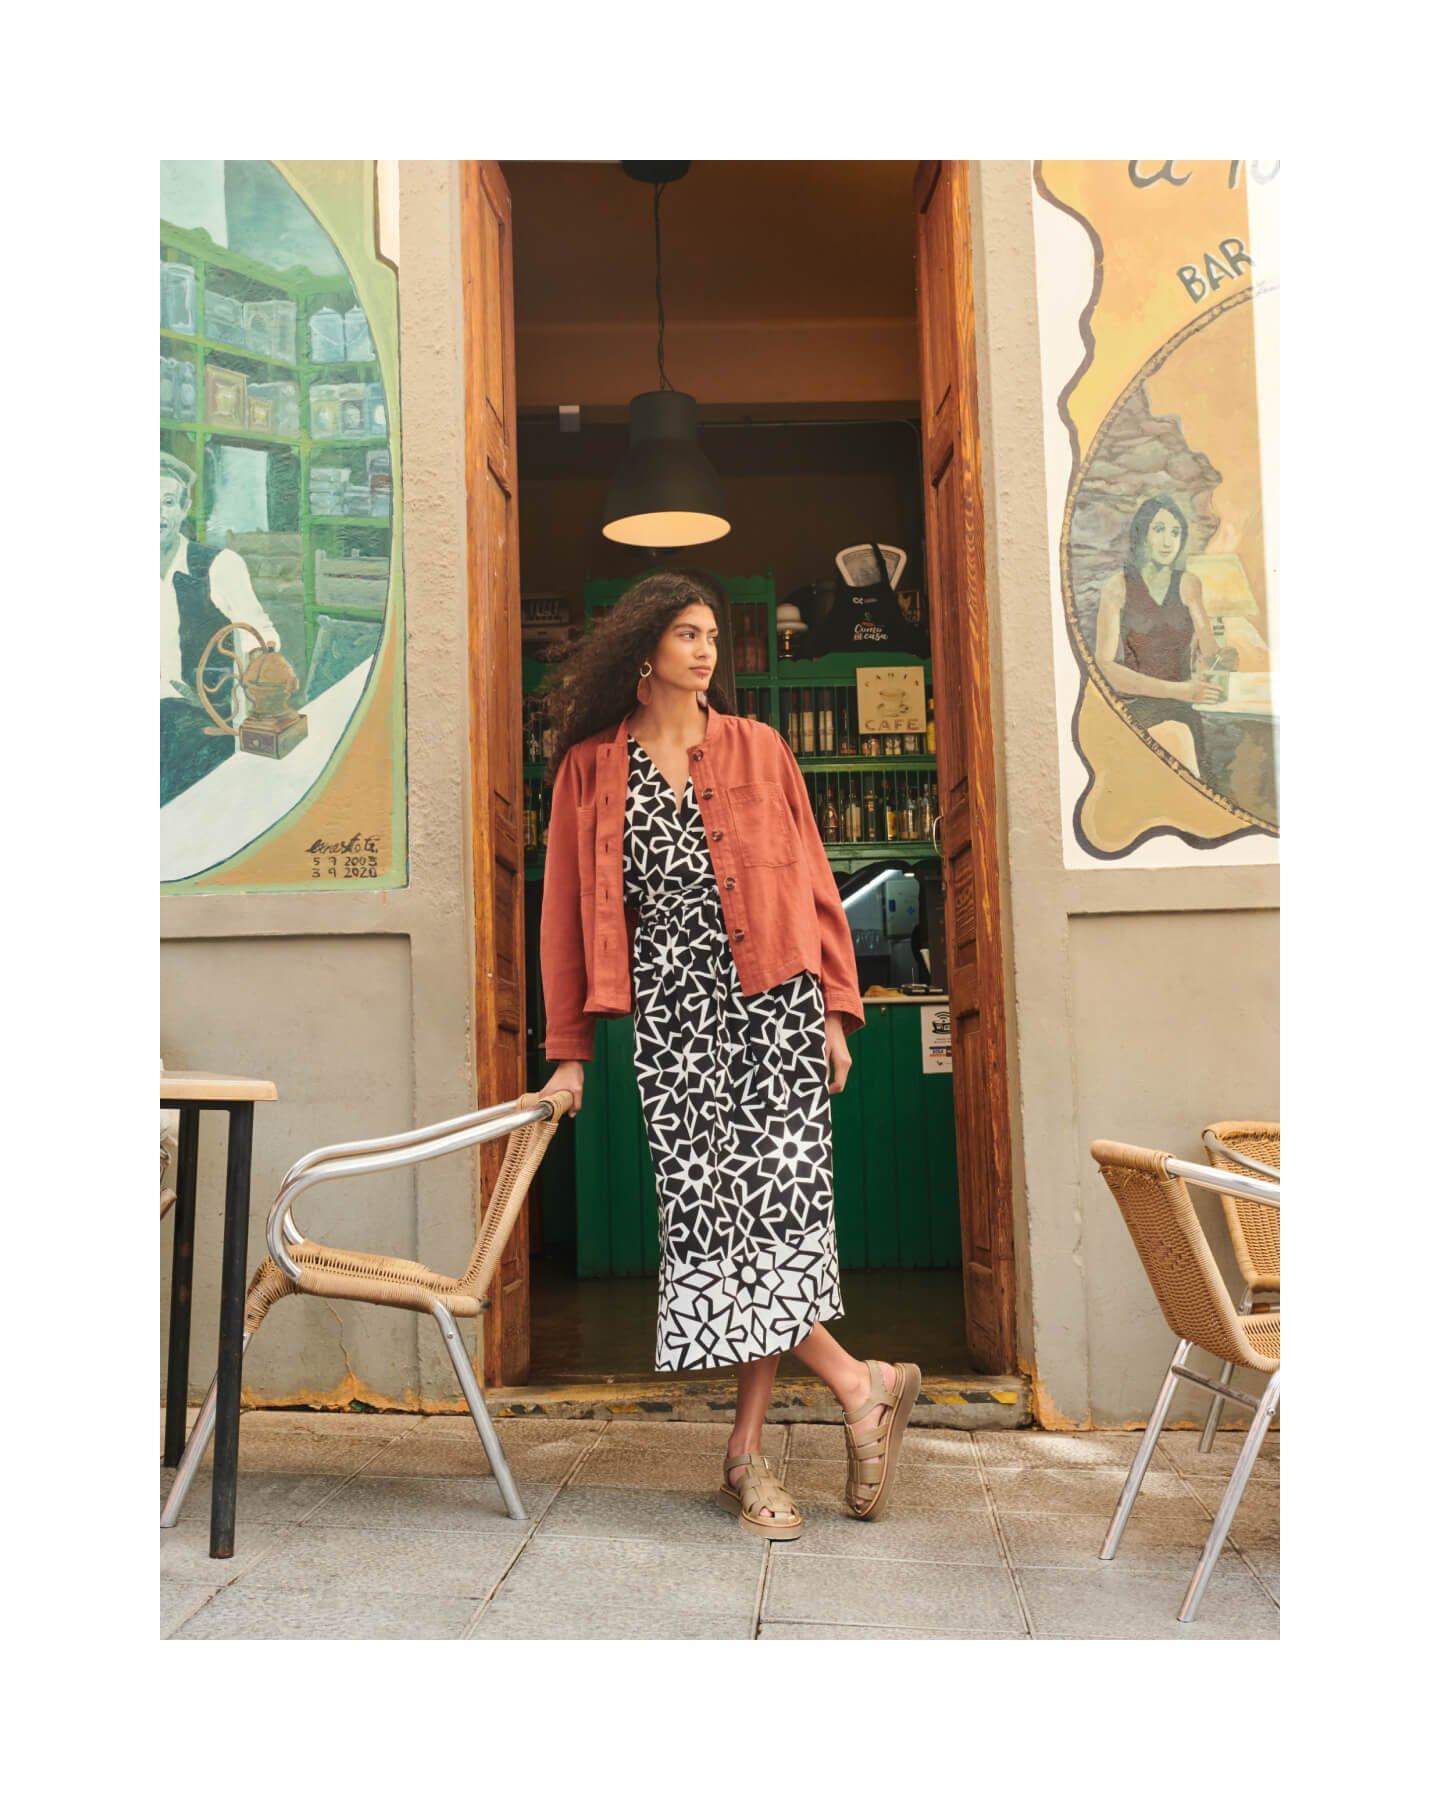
(867, 618)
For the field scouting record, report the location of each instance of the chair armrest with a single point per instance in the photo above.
(1267, 1193)
(398, 1152)
(1221, 1148)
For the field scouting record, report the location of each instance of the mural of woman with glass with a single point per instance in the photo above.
(1152, 634)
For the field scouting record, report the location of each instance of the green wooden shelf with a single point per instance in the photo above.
(218, 347)
(200, 428)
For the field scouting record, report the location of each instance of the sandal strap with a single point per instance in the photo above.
(879, 1394)
(759, 1487)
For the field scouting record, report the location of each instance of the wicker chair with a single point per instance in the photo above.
(1150, 1189)
(296, 1265)
(1253, 1148)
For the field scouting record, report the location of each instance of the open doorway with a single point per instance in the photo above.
(791, 315)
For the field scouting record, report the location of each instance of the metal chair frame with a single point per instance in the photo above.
(1264, 1407)
(373, 1156)
(1252, 1295)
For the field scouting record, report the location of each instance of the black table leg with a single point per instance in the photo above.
(232, 1328)
(182, 1261)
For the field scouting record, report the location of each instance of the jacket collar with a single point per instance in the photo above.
(714, 725)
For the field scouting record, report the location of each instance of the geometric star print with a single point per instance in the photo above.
(737, 1114)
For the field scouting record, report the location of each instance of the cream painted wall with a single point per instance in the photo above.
(1145, 1001)
(359, 1005)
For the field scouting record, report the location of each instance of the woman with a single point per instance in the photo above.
(736, 960)
(1151, 629)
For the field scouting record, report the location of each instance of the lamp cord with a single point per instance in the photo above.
(665, 381)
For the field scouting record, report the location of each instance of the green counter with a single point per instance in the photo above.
(896, 1199)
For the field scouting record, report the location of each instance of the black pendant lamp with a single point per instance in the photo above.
(665, 494)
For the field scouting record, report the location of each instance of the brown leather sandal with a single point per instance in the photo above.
(760, 1487)
(875, 1453)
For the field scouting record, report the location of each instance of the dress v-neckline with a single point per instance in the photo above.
(677, 806)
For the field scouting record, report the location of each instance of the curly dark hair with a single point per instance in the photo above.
(595, 685)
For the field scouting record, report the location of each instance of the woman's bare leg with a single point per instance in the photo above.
(754, 1383)
(846, 1376)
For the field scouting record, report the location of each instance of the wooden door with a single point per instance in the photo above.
(964, 734)
(496, 766)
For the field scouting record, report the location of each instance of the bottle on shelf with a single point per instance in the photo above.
(871, 826)
(930, 725)
(807, 721)
(852, 810)
(826, 722)
(830, 818)
(846, 745)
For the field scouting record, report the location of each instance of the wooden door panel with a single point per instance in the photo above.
(495, 751)
(960, 646)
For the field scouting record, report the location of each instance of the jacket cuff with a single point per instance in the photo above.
(848, 1004)
(560, 1050)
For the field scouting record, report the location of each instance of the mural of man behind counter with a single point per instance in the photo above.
(203, 587)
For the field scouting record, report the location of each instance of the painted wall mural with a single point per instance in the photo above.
(282, 701)
(1158, 291)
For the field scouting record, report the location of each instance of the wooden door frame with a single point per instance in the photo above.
(507, 1336)
(990, 1159)
(495, 753)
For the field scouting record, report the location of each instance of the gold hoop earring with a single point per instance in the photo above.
(642, 687)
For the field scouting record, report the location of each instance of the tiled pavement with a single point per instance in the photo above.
(387, 1526)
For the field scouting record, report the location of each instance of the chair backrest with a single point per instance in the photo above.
(1186, 1280)
(525, 1149)
(1254, 1229)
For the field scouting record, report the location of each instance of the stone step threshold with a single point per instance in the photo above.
(959, 1403)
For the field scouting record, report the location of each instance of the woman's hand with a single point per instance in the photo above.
(1200, 691)
(567, 1075)
(839, 1056)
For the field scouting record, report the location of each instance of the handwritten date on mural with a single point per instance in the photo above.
(356, 858)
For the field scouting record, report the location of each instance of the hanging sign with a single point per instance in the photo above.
(890, 699)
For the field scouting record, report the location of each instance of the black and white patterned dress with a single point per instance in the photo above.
(737, 1112)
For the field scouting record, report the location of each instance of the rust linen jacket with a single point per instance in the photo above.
(781, 906)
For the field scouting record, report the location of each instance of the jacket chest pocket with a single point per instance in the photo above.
(585, 844)
(763, 826)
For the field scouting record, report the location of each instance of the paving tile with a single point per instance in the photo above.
(185, 1553)
(260, 1498)
(536, 1449)
(401, 1560)
(507, 1618)
(178, 1600)
(276, 1613)
(592, 1576)
(433, 1503)
(680, 1472)
(1086, 1491)
(1115, 1602)
(1056, 1449)
(1266, 1564)
(653, 1513)
(693, 1438)
(314, 1443)
(1256, 1525)
(1181, 1452)
(847, 1590)
(1170, 1542)
(926, 1489)
(787, 1628)
(826, 1443)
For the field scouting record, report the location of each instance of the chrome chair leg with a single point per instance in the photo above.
(1207, 1436)
(1126, 1503)
(475, 1400)
(194, 1452)
(1230, 1500)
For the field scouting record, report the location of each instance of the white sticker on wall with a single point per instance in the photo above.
(935, 1039)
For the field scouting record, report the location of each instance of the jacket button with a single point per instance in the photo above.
(740, 932)
(717, 835)
(706, 793)
(697, 754)
(729, 881)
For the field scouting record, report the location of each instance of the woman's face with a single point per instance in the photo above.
(689, 648)
(1162, 540)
